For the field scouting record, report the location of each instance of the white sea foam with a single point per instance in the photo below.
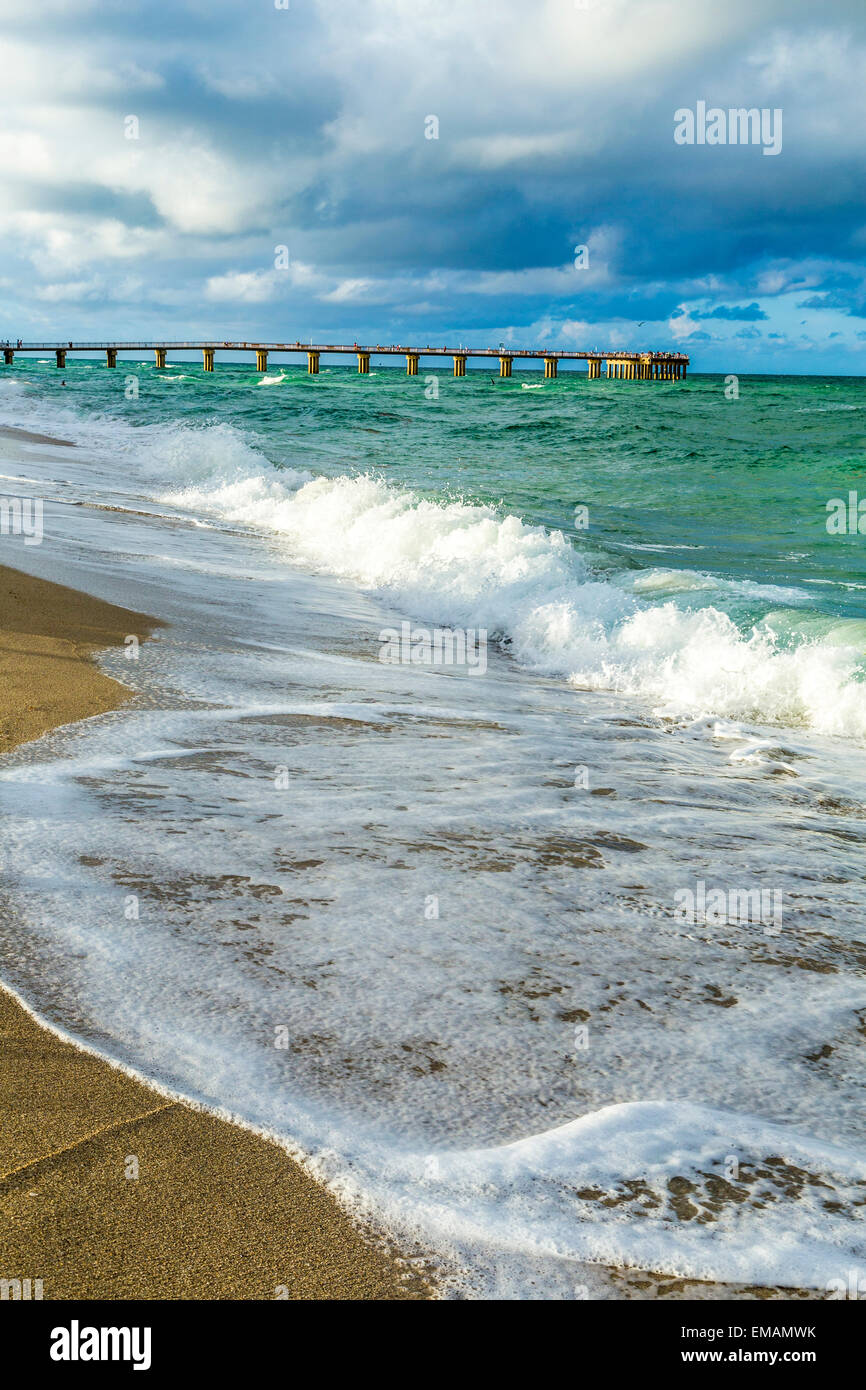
(619, 1186)
(468, 566)
(337, 947)
(661, 634)
(545, 1195)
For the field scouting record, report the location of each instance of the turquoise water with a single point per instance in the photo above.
(673, 474)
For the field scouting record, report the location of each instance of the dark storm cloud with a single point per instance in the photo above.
(307, 127)
(732, 311)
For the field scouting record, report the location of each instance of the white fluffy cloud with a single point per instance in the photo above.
(308, 127)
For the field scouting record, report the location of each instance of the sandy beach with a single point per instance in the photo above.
(214, 1212)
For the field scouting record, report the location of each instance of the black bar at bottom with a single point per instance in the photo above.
(53, 1341)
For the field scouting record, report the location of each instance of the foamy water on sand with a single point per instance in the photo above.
(426, 925)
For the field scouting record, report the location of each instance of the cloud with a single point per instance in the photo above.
(308, 127)
(732, 311)
(242, 287)
(353, 291)
(836, 299)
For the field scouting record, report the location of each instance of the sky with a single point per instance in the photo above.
(427, 171)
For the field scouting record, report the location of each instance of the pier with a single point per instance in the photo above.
(617, 365)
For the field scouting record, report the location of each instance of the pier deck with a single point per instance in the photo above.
(631, 366)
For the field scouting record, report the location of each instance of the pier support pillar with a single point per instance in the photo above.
(550, 366)
(111, 357)
(411, 364)
(8, 356)
(313, 363)
(363, 362)
(261, 360)
(683, 369)
(459, 366)
(159, 354)
(207, 354)
(60, 354)
(505, 366)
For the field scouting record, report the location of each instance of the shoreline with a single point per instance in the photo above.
(109, 1188)
(156, 1119)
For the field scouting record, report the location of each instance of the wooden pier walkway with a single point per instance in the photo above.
(625, 366)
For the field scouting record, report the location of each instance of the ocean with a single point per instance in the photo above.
(552, 963)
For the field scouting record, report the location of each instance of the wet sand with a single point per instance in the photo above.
(28, 437)
(107, 1189)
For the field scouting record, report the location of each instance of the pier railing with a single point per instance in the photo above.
(619, 364)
